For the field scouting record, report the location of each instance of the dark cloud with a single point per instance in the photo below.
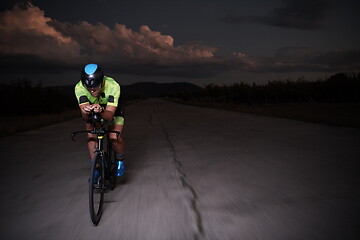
(29, 64)
(348, 60)
(33, 43)
(304, 14)
(199, 70)
(298, 14)
(28, 32)
(32, 64)
(302, 59)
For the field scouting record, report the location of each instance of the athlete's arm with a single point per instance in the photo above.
(113, 97)
(85, 110)
(108, 112)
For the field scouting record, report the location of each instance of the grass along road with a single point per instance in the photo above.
(338, 114)
(14, 124)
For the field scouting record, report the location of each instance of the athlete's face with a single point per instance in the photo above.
(95, 91)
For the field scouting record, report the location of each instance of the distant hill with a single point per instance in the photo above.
(152, 89)
(143, 89)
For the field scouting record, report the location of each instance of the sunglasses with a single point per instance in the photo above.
(94, 88)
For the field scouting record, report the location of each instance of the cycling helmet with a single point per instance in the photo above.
(92, 75)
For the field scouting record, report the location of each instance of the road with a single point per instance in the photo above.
(192, 173)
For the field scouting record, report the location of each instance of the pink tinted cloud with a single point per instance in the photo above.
(26, 31)
(123, 44)
(29, 31)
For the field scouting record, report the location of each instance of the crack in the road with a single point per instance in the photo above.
(150, 119)
(186, 185)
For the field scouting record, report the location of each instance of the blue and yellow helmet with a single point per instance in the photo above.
(92, 75)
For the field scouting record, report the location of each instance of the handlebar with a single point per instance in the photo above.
(99, 132)
(95, 119)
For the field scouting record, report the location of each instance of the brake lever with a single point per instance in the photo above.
(73, 136)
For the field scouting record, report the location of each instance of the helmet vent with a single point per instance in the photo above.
(91, 68)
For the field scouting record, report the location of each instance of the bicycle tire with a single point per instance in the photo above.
(111, 165)
(96, 190)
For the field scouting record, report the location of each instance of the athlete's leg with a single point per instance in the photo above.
(118, 143)
(91, 141)
(119, 148)
(92, 144)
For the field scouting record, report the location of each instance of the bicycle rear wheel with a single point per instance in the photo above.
(96, 189)
(111, 164)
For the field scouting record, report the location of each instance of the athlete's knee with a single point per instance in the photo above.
(91, 139)
(115, 138)
(117, 143)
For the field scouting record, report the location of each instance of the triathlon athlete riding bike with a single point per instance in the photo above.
(97, 93)
(99, 99)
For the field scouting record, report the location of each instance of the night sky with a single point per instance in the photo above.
(202, 42)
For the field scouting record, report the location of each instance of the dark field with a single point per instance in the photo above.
(14, 124)
(345, 115)
(338, 114)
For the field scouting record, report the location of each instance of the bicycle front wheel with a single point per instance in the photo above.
(96, 188)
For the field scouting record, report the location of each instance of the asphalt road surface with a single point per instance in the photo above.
(192, 173)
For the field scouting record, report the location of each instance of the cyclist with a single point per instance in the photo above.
(101, 94)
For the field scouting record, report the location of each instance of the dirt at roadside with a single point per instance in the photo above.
(338, 114)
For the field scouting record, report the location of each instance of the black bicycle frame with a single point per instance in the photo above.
(101, 132)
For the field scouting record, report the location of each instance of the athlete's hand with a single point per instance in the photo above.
(87, 109)
(97, 108)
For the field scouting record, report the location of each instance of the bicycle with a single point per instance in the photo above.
(104, 161)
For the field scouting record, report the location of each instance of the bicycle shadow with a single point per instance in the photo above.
(123, 180)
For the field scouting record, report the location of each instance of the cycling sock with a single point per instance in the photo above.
(97, 164)
(120, 156)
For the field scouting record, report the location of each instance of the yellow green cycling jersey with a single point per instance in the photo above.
(109, 95)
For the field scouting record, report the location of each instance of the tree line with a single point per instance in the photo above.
(21, 98)
(338, 88)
